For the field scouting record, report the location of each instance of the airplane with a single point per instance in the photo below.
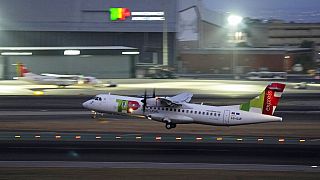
(61, 80)
(178, 109)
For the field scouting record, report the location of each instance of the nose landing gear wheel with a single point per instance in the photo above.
(170, 126)
(93, 114)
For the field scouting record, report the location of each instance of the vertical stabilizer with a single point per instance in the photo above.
(21, 70)
(267, 101)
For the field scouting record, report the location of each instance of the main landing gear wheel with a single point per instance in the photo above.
(170, 126)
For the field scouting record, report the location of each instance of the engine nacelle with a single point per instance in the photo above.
(156, 117)
(177, 119)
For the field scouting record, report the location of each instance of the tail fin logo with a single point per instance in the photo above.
(272, 96)
(268, 107)
(267, 101)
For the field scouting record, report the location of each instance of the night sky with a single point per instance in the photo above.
(289, 10)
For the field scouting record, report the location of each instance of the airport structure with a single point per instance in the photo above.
(47, 28)
(211, 42)
(123, 39)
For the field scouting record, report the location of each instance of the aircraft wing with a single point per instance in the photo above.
(177, 100)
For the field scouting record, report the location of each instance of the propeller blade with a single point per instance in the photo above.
(144, 101)
(154, 93)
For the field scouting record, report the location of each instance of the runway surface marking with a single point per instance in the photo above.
(149, 137)
(157, 165)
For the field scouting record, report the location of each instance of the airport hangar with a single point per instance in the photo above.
(47, 28)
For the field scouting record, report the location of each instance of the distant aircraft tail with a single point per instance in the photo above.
(21, 70)
(267, 101)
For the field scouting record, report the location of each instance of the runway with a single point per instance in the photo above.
(38, 136)
(226, 88)
(53, 129)
(161, 152)
(300, 125)
(154, 165)
(292, 102)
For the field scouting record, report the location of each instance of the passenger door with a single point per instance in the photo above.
(226, 116)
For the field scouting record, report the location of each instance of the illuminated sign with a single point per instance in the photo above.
(121, 14)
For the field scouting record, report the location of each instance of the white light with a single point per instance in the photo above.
(130, 53)
(234, 20)
(148, 18)
(161, 13)
(71, 52)
(287, 57)
(16, 53)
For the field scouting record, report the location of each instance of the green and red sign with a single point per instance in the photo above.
(119, 14)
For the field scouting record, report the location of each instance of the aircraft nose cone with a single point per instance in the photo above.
(85, 104)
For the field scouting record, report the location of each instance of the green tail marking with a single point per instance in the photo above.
(256, 102)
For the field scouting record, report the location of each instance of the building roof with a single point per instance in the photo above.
(85, 50)
(67, 47)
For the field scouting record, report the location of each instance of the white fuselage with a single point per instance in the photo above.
(59, 80)
(184, 114)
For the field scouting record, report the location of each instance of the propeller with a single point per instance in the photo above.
(144, 100)
(154, 93)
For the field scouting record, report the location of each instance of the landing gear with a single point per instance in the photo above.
(170, 125)
(93, 114)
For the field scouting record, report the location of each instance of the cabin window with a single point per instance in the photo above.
(210, 114)
(203, 113)
(158, 108)
(199, 112)
(218, 114)
(187, 111)
(191, 112)
(195, 112)
(170, 109)
(183, 110)
(215, 114)
(207, 113)
(167, 109)
(237, 113)
(175, 110)
(178, 110)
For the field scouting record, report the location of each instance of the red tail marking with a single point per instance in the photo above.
(22, 70)
(270, 101)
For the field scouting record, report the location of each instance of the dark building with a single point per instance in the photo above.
(150, 27)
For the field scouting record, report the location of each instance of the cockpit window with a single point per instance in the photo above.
(98, 98)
